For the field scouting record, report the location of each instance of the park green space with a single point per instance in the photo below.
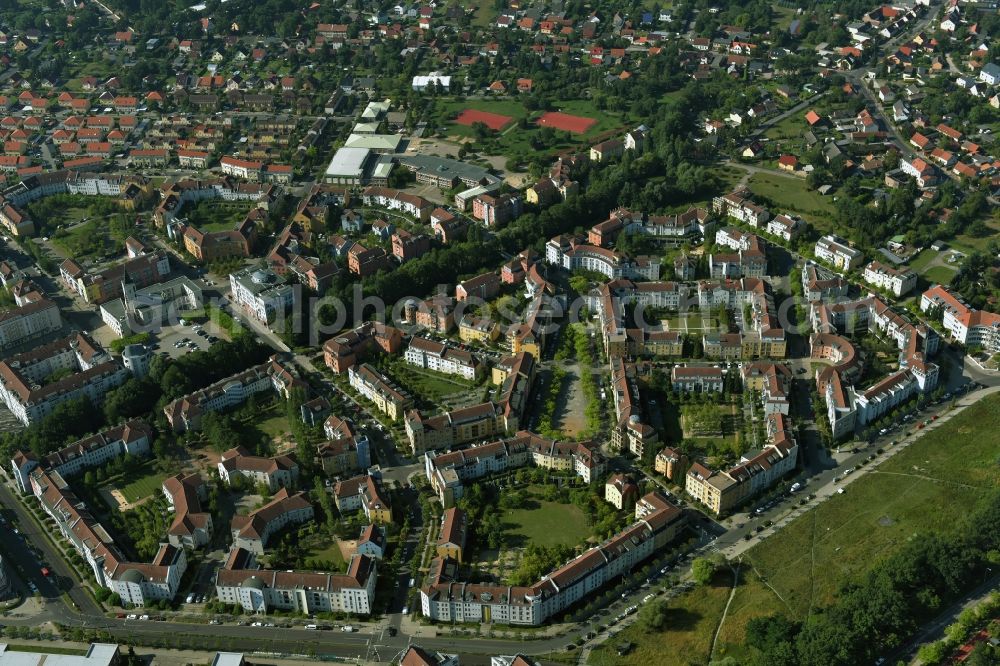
(546, 523)
(791, 194)
(89, 240)
(326, 553)
(922, 260)
(141, 487)
(801, 567)
(211, 215)
(792, 127)
(427, 384)
(940, 275)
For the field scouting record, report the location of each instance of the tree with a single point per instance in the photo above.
(653, 615)
(702, 570)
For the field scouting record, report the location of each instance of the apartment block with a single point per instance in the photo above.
(439, 357)
(252, 531)
(185, 413)
(376, 387)
(83, 369)
(721, 491)
(308, 592)
(970, 327)
(895, 281)
(348, 347)
(446, 598)
(364, 492)
(272, 472)
(696, 379)
(838, 252)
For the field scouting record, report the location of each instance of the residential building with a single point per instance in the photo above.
(376, 387)
(721, 491)
(897, 282)
(363, 492)
(445, 598)
(34, 320)
(698, 379)
(453, 535)
(740, 206)
(273, 472)
(449, 472)
(621, 491)
(252, 531)
(185, 413)
(33, 383)
(191, 527)
(968, 326)
(671, 463)
(136, 583)
(306, 592)
(838, 252)
(372, 542)
(132, 438)
(572, 253)
(348, 347)
(440, 357)
(261, 293)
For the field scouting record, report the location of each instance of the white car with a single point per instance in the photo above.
(132, 616)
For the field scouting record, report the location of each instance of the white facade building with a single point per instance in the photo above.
(836, 251)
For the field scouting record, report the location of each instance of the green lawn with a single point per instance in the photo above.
(328, 554)
(940, 275)
(427, 384)
(693, 322)
(792, 127)
(812, 557)
(802, 566)
(550, 524)
(692, 619)
(208, 216)
(728, 176)
(791, 193)
(921, 261)
(142, 487)
(88, 240)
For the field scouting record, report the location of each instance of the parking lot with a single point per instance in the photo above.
(178, 340)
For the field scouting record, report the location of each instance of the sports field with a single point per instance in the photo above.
(566, 122)
(494, 121)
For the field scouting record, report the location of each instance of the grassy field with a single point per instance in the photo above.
(728, 444)
(692, 619)
(728, 176)
(802, 566)
(792, 194)
(920, 262)
(940, 275)
(142, 487)
(547, 524)
(329, 553)
(427, 384)
(87, 241)
(792, 127)
(208, 216)
(693, 322)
